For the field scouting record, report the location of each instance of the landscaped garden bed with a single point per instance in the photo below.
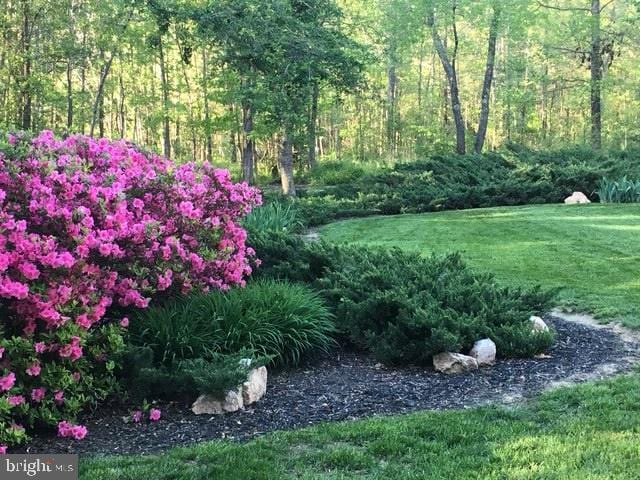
(346, 386)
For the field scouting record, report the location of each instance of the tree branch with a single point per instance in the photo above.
(565, 9)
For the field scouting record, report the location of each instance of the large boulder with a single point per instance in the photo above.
(207, 404)
(454, 363)
(484, 351)
(577, 198)
(255, 387)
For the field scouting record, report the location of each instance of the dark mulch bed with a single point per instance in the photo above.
(348, 386)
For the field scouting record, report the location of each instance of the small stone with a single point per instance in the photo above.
(577, 198)
(538, 324)
(255, 387)
(484, 351)
(454, 363)
(213, 406)
(542, 356)
(378, 366)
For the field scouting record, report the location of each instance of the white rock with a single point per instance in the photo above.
(255, 387)
(484, 351)
(577, 198)
(538, 324)
(454, 363)
(207, 404)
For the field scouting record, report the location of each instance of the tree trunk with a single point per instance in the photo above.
(285, 164)
(488, 80)
(313, 120)
(166, 127)
(205, 99)
(26, 100)
(392, 85)
(596, 77)
(249, 147)
(69, 97)
(97, 103)
(452, 78)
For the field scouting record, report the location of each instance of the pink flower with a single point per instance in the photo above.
(7, 382)
(3, 449)
(40, 347)
(15, 400)
(58, 396)
(34, 369)
(37, 394)
(137, 416)
(29, 270)
(154, 414)
(83, 321)
(124, 323)
(79, 432)
(75, 376)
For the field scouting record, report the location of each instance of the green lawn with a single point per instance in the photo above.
(584, 433)
(591, 252)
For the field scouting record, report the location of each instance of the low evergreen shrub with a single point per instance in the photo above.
(405, 308)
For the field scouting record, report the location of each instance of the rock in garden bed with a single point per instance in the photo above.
(346, 386)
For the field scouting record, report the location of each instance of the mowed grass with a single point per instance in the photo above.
(591, 252)
(589, 432)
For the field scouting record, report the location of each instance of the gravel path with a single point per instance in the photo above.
(349, 386)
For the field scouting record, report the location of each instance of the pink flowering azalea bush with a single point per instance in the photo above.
(88, 228)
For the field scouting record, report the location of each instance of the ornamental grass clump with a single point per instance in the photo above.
(89, 227)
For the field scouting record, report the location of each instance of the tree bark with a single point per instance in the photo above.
(596, 77)
(26, 100)
(97, 103)
(452, 79)
(205, 100)
(392, 85)
(69, 97)
(488, 80)
(249, 146)
(285, 164)
(166, 127)
(313, 120)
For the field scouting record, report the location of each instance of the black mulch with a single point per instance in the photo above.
(348, 386)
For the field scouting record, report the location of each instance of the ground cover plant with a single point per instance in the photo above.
(586, 251)
(405, 308)
(90, 229)
(451, 182)
(584, 432)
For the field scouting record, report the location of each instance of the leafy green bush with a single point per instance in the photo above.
(405, 308)
(333, 173)
(445, 182)
(273, 318)
(215, 375)
(275, 216)
(619, 191)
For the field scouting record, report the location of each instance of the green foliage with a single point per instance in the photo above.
(452, 182)
(276, 216)
(405, 308)
(333, 173)
(276, 319)
(185, 379)
(220, 373)
(551, 245)
(618, 191)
